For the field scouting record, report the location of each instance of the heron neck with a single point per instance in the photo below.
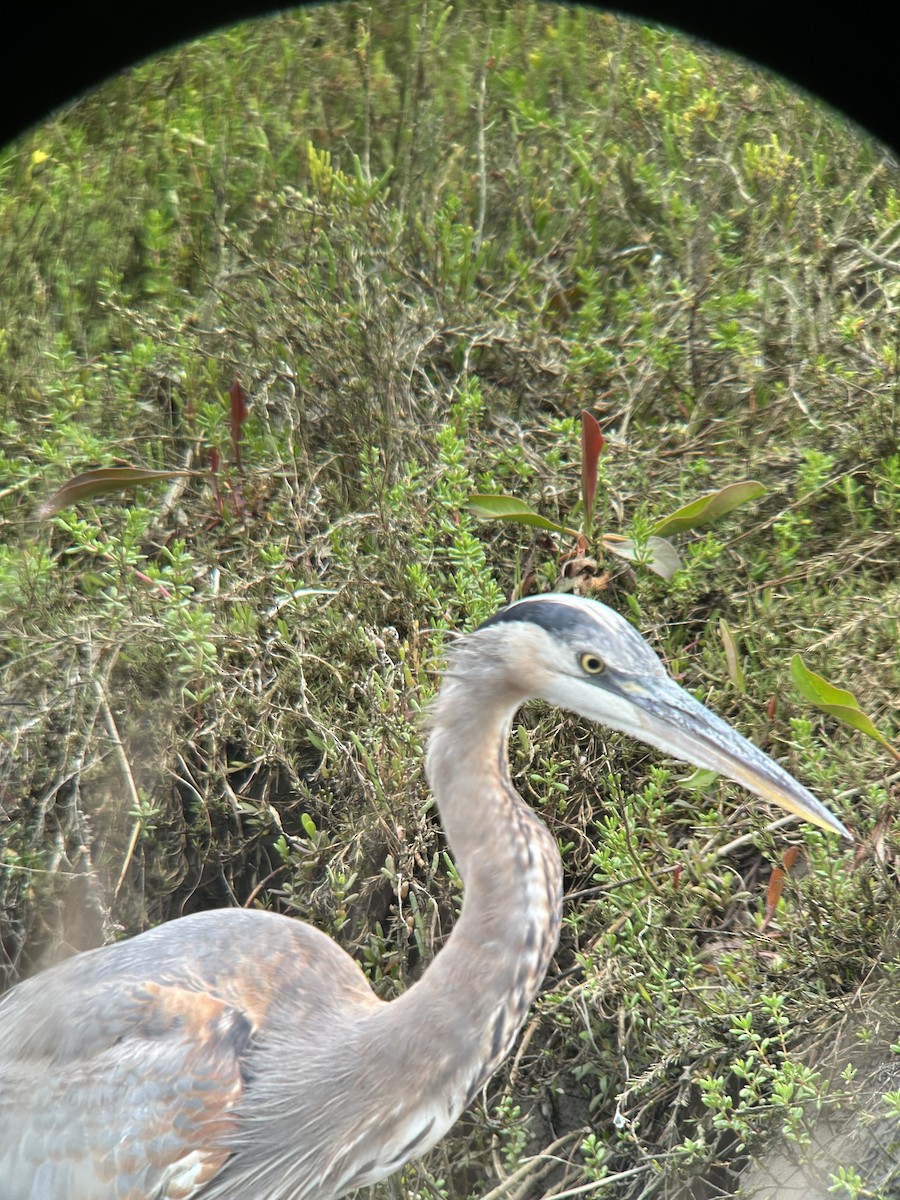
(477, 991)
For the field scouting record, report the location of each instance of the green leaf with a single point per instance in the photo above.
(835, 701)
(700, 780)
(709, 508)
(656, 554)
(732, 656)
(816, 688)
(98, 482)
(508, 508)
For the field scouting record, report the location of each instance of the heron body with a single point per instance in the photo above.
(235, 1054)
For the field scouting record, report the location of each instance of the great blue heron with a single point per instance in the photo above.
(241, 1055)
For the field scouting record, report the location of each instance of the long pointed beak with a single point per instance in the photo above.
(671, 719)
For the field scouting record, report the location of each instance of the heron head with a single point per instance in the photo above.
(583, 656)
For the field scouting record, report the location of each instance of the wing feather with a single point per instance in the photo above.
(122, 1070)
(142, 1115)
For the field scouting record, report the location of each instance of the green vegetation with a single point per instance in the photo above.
(423, 241)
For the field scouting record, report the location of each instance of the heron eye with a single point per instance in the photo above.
(592, 664)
